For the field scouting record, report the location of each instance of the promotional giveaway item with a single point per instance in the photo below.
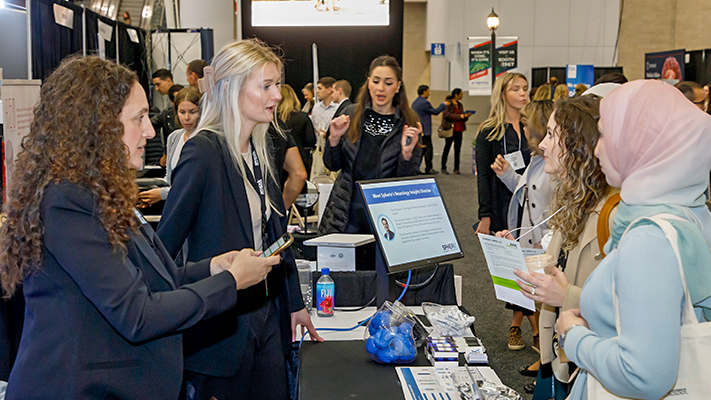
(393, 334)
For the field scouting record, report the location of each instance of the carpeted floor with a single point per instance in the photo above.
(492, 319)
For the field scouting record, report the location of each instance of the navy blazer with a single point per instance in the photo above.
(208, 206)
(425, 111)
(100, 323)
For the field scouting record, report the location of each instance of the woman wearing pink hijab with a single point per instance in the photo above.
(655, 148)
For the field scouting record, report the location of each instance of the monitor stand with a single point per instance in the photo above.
(385, 282)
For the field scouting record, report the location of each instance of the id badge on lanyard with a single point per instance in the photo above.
(515, 159)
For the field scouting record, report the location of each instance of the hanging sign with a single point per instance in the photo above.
(64, 16)
(480, 61)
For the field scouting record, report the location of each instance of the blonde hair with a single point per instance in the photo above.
(497, 117)
(222, 113)
(288, 103)
(542, 93)
(535, 118)
(561, 92)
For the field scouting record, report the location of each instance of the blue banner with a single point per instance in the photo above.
(577, 74)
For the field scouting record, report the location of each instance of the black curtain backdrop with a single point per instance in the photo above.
(134, 55)
(51, 43)
(92, 36)
(343, 52)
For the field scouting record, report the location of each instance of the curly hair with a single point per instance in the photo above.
(75, 136)
(581, 181)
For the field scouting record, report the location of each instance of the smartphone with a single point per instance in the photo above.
(277, 247)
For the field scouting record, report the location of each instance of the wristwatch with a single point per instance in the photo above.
(563, 335)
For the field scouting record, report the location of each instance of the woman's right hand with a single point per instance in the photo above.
(500, 165)
(337, 128)
(484, 225)
(505, 234)
(248, 268)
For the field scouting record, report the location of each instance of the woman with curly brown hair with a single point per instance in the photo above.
(103, 298)
(581, 192)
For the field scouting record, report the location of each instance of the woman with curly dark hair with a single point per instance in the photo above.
(579, 197)
(103, 297)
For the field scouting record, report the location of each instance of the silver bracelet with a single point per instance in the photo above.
(561, 339)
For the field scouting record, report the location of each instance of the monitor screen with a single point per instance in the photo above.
(321, 13)
(410, 221)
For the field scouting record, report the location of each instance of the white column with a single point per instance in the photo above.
(438, 32)
(216, 14)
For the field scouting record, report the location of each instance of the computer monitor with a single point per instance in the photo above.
(410, 221)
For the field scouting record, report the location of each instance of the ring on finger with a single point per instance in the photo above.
(533, 291)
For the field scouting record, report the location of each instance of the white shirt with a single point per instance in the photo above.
(321, 115)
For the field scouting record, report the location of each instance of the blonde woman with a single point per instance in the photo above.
(225, 194)
(542, 93)
(561, 92)
(298, 124)
(502, 134)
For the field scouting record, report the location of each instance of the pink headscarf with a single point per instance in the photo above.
(659, 143)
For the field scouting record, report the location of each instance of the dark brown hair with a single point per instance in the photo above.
(399, 100)
(75, 136)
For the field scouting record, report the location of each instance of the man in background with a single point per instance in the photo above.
(194, 71)
(341, 96)
(425, 111)
(693, 91)
(163, 122)
(325, 108)
(162, 81)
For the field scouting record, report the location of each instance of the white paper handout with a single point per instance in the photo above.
(502, 257)
(427, 383)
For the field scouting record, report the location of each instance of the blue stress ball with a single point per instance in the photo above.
(381, 320)
(379, 339)
(405, 328)
(370, 345)
(398, 344)
(387, 356)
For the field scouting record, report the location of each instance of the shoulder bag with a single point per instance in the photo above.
(692, 381)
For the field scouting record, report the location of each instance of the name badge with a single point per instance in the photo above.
(515, 159)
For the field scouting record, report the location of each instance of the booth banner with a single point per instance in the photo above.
(577, 74)
(18, 101)
(480, 61)
(665, 65)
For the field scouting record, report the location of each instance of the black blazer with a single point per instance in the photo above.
(208, 206)
(100, 323)
(342, 108)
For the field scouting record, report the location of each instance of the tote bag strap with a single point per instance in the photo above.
(688, 315)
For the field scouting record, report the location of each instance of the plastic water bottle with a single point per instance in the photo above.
(325, 293)
(306, 283)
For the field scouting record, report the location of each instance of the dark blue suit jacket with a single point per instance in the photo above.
(100, 323)
(208, 206)
(425, 111)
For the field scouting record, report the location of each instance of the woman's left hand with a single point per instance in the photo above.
(413, 133)
(570, 317)
(303, 318)
(549, 289)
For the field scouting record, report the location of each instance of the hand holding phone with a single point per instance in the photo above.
(280, 245)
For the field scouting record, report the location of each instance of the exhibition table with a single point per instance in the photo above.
(341, 368)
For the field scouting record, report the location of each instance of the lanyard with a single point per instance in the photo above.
(519, 142)
(257, 183)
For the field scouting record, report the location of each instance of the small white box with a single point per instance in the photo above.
(337, 251)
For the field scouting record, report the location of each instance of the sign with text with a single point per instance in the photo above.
(577, 74)
(666, 65)
(480, 61)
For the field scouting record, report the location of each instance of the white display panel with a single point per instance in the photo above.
(321, 13)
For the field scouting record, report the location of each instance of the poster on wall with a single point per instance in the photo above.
(666, 65)
(577, 74)
(480, 61)
(19, 97)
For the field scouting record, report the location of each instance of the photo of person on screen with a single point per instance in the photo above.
(388, 234)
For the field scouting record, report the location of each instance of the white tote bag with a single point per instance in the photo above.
(694, 378)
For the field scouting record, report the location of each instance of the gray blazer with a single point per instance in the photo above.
(540, 192)
(171, 143)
